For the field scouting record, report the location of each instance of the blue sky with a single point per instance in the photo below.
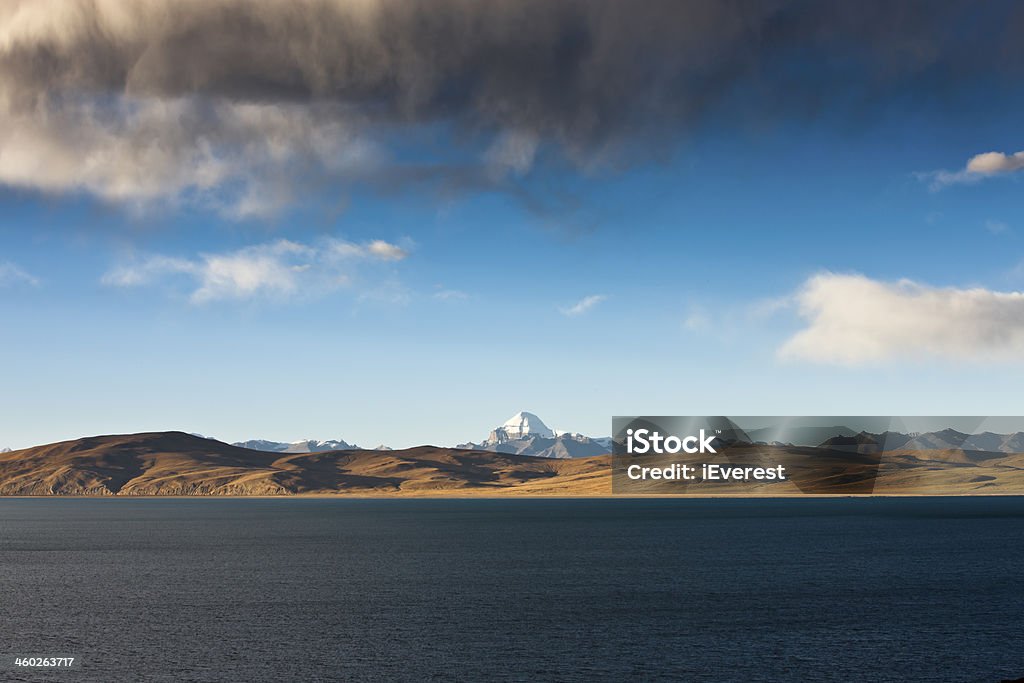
(741, 270)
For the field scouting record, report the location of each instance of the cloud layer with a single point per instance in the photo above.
(245, 104)
(852, 319)
(278, 269)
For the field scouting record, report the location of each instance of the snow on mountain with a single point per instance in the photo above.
(520, 426)
(526, 434)
(558, 447)
(304, 446)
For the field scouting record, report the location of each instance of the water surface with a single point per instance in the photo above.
(518, 590)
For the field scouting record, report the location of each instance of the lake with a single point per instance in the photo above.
(923, 589)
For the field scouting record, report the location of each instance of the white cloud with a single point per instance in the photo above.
(852, 319)
(978, 167)
(378, 250)
(991, 163)
(272, 269)
(11, 274)
(276, 269)
(386, 251)
(583, 305)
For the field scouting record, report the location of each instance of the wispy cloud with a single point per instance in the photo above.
(512, 153)
(11, 274)
(584, 305)
(450, 295)
(853, 319)
(277, 269)
(697, 320)
(978, 168)
(390, 292)
(997, 227)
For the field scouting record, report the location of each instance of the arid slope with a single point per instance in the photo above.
(178, 464)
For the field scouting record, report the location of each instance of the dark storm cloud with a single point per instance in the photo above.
(134, 100)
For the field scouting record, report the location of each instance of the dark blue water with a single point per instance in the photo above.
(520, 590)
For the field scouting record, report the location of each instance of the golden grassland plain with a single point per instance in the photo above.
(179, 464)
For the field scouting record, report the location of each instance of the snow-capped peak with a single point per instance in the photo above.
(523, 424)
(526, 434)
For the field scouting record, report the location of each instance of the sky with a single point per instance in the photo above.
(401, 222)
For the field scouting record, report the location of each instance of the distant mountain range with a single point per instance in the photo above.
(526, 434)
(304, 446)
(522, 434)
(179, 464)
(942, 440)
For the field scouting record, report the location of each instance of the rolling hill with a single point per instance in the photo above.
(179, 464)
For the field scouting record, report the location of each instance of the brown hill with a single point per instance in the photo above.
(178, 464)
